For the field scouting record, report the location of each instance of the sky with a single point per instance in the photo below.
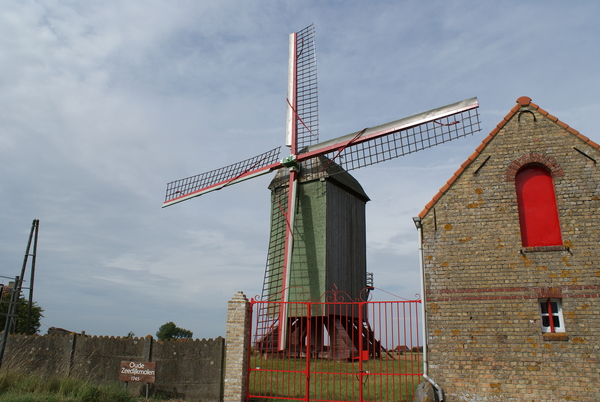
(103, 103)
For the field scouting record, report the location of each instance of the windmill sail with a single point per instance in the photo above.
(400, 137)
(195, 186)
(352, 151)
(303, 117)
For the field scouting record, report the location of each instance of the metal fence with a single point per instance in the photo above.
(335, 351)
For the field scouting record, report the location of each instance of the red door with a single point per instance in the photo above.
(538, 214)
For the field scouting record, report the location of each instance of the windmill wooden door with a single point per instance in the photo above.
(335, 351)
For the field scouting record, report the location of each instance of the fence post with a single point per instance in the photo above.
(148, 348)
(237, 341)
(71, 353)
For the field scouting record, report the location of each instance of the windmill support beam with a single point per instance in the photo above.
(287, 259)
(290, 123)
(292, 142)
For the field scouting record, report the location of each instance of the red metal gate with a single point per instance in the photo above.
(335, 351)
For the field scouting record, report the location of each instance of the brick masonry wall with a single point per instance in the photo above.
(238, 343)
(485, 337)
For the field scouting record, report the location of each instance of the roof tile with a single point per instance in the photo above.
(592, 143)
(428, 206)
(450, 182)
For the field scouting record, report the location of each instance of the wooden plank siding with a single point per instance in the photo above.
(329, 237)
(346, 242)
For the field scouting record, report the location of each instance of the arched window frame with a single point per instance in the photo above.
(538, 211)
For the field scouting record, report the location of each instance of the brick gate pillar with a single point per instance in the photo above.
(237, 340)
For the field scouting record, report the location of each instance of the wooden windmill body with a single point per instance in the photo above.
(329, 235)
(329, 256)
(317, 239)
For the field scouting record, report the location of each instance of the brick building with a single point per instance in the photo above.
(512, 266)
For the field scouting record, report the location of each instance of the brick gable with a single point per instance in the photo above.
(483, 287)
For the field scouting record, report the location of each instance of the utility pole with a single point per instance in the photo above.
(15, 290)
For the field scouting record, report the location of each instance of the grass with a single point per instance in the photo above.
(383, 379)
(271, 379)
(17, 386)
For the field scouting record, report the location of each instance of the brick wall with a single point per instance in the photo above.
(238, 344)
(483, 287)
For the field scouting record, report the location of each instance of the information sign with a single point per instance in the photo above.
(137, 372)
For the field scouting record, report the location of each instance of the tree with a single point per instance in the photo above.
(21, 321)
(171, 331)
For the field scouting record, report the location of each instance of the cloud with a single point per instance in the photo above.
(102, 104)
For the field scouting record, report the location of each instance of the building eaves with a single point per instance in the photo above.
(522, 101)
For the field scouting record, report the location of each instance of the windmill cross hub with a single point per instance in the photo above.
(291, 162)
(313, 220)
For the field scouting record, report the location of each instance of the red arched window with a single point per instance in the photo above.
(537, 207)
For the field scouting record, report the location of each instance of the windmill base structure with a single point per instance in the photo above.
(317, 242)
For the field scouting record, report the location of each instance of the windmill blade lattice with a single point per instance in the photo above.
(404, 142)
(268, 316)
(307, 106)
(401, 137)
(194, 186)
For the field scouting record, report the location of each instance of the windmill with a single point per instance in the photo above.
(311, 161)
